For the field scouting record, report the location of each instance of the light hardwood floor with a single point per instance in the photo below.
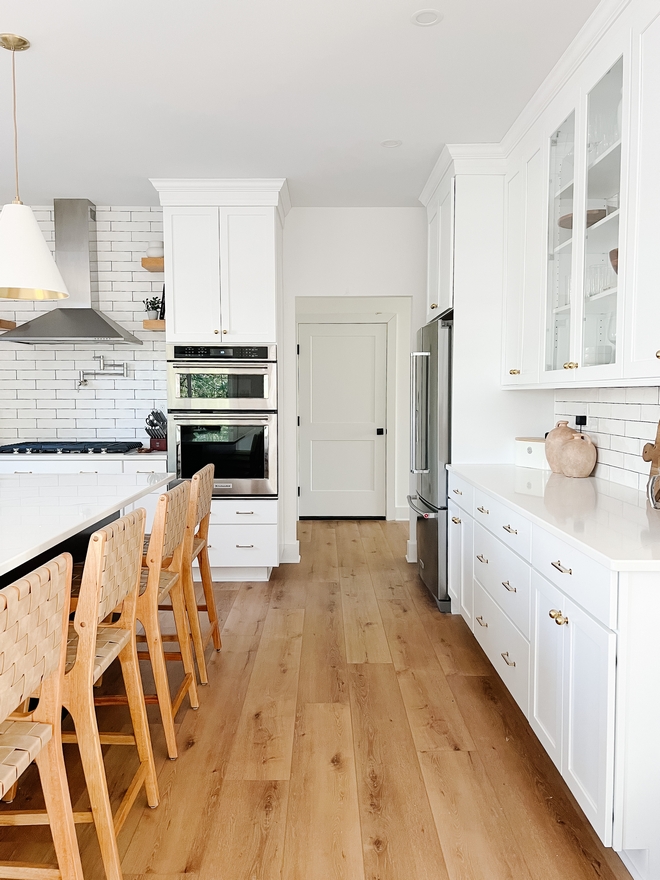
(349, 732)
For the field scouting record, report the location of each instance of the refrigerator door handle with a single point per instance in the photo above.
(427, 514)
(419, 369)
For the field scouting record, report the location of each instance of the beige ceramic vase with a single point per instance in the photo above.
(577, 456)
(554, 442)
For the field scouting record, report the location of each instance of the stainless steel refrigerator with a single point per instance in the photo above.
(430, 451)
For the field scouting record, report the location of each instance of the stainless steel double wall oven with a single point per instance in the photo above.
(222, 409)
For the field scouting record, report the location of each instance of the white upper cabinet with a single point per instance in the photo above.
(642, 270)
(440, 275)
(222, 259)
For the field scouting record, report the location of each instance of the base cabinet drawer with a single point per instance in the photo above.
(243, 511)
(146, 464)
(460, 492)
(237, 545)
(504, 646)
(504, 575)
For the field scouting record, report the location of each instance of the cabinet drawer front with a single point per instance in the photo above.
(509, 526)
(243, 511)
(77, 464)
(584, 580)
(506, 649)
(504, 575)
(234, 546)
(460, 492)
(146, 464)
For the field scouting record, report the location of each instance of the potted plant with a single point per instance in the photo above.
(152, 306)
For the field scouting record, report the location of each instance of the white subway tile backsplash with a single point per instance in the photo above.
(39, 394)
(619, 421)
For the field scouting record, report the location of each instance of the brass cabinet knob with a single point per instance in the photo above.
(224, 331)
(434, 305)
(554, 613)
(456, 520)
(558, 617)
(514, 372)
(657, 354)
(567, 366)
(574, 365)
(571, 365)
(216, 332)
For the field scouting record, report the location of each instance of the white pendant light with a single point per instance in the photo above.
(27, 267)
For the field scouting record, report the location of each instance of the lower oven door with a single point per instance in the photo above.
(242, 448)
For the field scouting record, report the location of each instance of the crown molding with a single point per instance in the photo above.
(225, 192)
(596, 26)
(491, 158)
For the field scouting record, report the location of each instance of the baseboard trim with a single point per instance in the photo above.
(411, 551)
(629, 865)
(402, 514)
(290, 553)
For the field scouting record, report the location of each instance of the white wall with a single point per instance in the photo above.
(39, 394)
(340, 252)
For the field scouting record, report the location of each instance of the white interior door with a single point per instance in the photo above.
(342, 406)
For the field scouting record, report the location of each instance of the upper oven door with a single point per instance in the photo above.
(221, 386)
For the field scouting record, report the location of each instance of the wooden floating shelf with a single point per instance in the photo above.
(153, 264)
(7, 325)
(154, 325)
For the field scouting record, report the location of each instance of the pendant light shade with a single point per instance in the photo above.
(27, 267)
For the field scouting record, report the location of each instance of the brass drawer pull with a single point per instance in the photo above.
(245, 546)
(456, 520)
(561, 568)
(457, 491)
(505, 656)
(480, 621)
(507, 586)
(510, 530)
(483, 510)
(482, 559)
(245, 513)
(558, 617)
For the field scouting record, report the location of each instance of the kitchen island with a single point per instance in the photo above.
(40, 511)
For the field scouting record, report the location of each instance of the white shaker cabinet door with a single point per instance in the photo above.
(440, 275)
(192, 274)
(546, 709)
(249, 270)
(589, 680)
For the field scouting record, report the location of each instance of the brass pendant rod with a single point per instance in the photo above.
(17, 200)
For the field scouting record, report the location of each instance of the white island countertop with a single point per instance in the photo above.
(37, 511)
(612, 524)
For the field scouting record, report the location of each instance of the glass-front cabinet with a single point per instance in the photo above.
(584, 193)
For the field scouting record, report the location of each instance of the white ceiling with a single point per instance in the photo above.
(114, 92)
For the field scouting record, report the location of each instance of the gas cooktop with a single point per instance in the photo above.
(63, 447)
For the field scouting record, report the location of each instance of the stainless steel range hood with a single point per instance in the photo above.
(76, 256)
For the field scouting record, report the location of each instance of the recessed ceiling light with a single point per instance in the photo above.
(426, 17)
(391, 143)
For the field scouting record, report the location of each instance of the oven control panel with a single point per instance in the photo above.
(222, 352)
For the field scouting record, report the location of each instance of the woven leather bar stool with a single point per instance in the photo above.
(110, 581)
(33, 639)
(195, 546)
(161, 580)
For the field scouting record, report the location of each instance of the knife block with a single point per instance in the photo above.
(158, 444)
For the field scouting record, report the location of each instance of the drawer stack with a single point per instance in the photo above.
(243, 533)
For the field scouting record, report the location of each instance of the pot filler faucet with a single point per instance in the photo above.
(106, 368)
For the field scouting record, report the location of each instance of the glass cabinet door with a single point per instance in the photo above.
(601, 246)
(560, 245)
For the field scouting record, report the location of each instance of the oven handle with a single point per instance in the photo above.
(208, 419)
(239, 369)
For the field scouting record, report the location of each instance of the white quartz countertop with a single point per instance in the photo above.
(613, 524)
(82, 456)
(37, 511)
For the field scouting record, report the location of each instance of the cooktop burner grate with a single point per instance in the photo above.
(63, 447)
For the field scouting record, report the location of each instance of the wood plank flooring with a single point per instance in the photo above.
(349, 732)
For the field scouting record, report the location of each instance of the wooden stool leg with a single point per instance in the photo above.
(183, 634)
(193, 618)
(87, 733)
(207, 584)
(130, 669)
(149, 620)
(50, 762)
